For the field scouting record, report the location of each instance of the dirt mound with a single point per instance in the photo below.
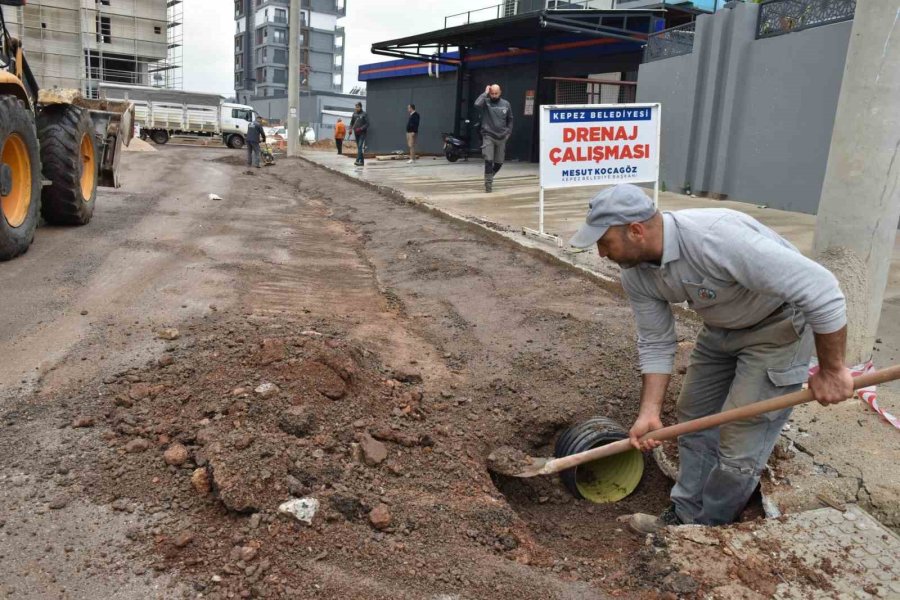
(235, 420)
(139, 145)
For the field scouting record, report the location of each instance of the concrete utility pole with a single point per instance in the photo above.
(860, 206)
(293, 148)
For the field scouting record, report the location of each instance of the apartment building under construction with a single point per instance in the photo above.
(80, 43)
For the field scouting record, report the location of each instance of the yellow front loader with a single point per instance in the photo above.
(56, 147)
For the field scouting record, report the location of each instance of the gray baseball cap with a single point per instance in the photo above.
(618, 205)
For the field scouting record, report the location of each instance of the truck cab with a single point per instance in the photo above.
(235, 119)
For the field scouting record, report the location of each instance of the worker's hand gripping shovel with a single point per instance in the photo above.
(511, 462)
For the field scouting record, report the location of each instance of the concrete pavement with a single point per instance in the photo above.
(829, 458)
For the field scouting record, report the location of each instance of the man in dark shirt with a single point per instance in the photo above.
(359, 126)
(255, 135)
(412, 131)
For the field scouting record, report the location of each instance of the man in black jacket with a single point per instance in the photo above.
(359, 125)
(255, 134)
(412, 131)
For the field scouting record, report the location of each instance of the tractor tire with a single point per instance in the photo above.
(71, 164)
(235, 142)
(20, 177)
(159, 136)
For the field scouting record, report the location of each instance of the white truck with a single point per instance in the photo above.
(161, 113)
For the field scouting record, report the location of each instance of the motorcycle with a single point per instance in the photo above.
(456, 147)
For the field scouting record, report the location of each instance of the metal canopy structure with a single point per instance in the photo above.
(523, 31)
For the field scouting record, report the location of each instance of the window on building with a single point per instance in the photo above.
(279, 36)
(238, 8)
(337, 79)
(259, 36)
(338, 41)
(157, 29)
(104, 30)
(237, 79)
(261, 56)
(239, 61)
(239, 43)
(260, 75)
(281, 16)
(279, 76)
(338, 61)
(279, 56)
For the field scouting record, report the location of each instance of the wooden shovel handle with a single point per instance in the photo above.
(735, 414)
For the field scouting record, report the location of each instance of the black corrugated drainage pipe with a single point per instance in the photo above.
(606, 480)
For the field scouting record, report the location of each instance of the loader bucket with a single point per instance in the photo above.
(113, 127)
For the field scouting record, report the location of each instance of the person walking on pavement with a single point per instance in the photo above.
(340, 132)
(255, 135)
(496, 127)
(412, 131)
(763, 304)
(359, 125)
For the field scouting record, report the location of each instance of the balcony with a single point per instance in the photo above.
(521, 7)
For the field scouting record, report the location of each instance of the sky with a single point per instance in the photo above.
(209, 35)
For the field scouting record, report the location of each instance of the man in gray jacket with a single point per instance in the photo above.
(255, 134)
(496, 127)
(763, 306)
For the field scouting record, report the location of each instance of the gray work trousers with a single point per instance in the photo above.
(720, 468)
(252, 154)
(493, 150)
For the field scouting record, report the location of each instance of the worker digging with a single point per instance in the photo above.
(763, 304)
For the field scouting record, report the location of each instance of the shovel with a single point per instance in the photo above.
(507, 461)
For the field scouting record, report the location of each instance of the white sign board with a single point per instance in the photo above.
(599, 144)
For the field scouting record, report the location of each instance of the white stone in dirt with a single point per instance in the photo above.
(169, 333)
(302, 509)
(267, 389)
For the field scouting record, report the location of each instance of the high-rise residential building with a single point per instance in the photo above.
(261, 44)
(80, 43)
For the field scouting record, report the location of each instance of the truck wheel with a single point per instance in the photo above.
(159, 136)
(20, 177)
(236, 142)
(70, 158)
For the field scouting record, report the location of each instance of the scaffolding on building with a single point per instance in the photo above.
(75, 45)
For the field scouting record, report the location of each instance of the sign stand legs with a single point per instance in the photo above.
(540, 230)
(541, 211)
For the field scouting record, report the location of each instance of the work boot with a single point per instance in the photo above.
(644, 523)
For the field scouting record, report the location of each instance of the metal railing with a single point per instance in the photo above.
(518, 7)
(777, 17)
(576, 90)
(670, 42)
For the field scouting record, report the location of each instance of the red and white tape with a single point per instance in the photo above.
(866, 394)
